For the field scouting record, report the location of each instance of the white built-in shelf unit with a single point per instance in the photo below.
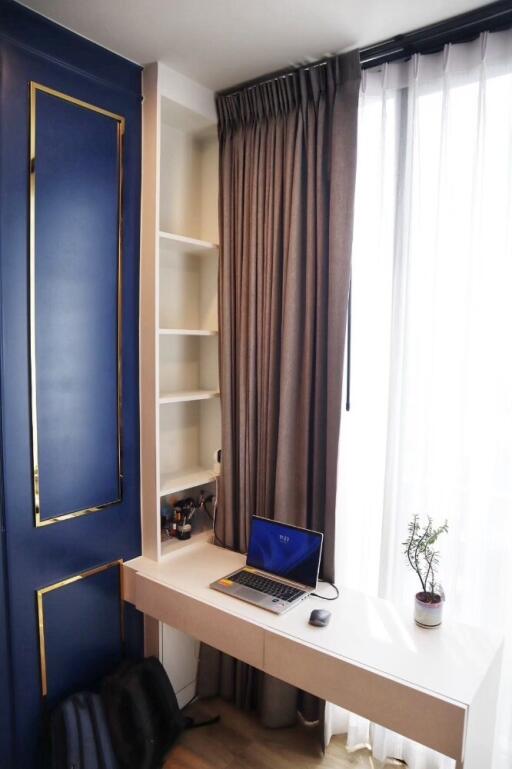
(180, 404)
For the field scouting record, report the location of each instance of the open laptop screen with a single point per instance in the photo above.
(285, 551)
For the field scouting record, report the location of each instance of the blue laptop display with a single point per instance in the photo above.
(285, 551)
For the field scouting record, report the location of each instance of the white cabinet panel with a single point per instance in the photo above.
(179, 658)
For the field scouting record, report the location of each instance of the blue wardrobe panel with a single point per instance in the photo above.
(35, 50)
(83, 631)
(64, 48)
(76, 205)
(6, 700)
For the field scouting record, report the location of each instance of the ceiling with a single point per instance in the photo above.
(223, 42)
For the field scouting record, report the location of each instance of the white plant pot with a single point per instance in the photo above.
(428, 614)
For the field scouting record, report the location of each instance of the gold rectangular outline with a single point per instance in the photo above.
(40, 594)
(121, 125)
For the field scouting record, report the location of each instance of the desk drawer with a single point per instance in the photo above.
(414, 713)
(222, 630)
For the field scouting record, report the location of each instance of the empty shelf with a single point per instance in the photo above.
(182, 396)
(188, 332)
(187, 478)
(186, 245)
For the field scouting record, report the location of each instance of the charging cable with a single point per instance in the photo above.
(328, 597)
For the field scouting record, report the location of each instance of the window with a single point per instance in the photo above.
(430, 425)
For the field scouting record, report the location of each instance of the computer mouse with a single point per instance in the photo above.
(320, 617)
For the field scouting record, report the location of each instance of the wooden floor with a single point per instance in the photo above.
(239, 742)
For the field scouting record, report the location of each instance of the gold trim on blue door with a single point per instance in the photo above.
(40, 594)
(34, 89)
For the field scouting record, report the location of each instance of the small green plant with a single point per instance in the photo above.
(423, 556)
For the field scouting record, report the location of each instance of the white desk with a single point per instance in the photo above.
(438, 687)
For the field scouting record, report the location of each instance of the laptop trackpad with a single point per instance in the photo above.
(254, 596)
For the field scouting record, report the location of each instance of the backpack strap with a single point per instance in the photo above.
(159, 688)
(120, 721)
(119, 715)
(69, 748)
(130, 719)
(143, 717)
(88, 748)
(190, 723)
(106, 757)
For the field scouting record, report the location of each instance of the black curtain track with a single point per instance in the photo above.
(430, 39)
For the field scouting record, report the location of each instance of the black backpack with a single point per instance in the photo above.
(80, 736)
(143, 714)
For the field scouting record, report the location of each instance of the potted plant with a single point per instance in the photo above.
(423, 558)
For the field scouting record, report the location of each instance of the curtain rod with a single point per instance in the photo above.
(430, 39)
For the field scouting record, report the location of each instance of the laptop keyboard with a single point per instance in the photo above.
(268, 586)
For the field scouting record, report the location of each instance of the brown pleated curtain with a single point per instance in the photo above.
(287, 175)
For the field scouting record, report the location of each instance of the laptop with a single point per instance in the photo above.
(281, 568)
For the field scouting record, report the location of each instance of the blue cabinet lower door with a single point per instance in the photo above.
(69, 255)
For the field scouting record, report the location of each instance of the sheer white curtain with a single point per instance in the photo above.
(430, 426)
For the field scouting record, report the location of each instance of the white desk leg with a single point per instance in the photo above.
(481, 719)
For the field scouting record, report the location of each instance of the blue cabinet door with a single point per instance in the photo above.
(69, 256)
(6, 699)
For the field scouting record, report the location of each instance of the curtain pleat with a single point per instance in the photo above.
(287, 175)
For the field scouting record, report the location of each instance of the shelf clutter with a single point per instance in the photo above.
(172, 546)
